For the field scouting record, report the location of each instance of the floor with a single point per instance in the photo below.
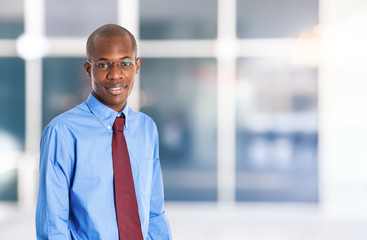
(201, 221)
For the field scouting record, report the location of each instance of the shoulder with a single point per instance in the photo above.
(141, 118)
(141, 122)
(68, 120)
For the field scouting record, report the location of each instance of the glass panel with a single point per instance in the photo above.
(11, 19)
(276, 131)
(181, 96)
(9, 185)
(275, 19)
(78, 18)
(166, 19)
(12, 124)
(65, 85)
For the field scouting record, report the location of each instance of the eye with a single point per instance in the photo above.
(126, 63)
(103, 65)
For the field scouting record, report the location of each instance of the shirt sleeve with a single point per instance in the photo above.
(52, 213)
(159, 228)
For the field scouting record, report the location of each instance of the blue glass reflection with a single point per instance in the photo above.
(276, 132)
(12, 123)
(180, 95)
(11, 29)
(78, 18)
(12, 99)
(9, 185)
(178, 19)
(276, 19)
(11, 19)
(65, 85)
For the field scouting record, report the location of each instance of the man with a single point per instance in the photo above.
(87, 190)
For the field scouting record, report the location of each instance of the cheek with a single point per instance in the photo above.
(96, 83)
(132, 81)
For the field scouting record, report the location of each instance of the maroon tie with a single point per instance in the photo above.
(127, 213)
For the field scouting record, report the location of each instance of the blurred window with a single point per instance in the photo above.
(70, 18)
(275, 19)
(166, 19)
(276, 100)
(181, 96)
(65, 85)
(12, 100)
(12, 124)
(276, 131)
(11, 19)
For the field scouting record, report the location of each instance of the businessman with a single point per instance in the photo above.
(100, 175)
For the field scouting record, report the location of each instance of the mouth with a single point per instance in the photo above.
(116, 90)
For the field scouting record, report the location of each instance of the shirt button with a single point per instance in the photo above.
(109, 127)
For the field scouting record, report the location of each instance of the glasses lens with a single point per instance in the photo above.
(103, 65)
(127, 63)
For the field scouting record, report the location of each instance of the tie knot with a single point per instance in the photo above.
(119, 124)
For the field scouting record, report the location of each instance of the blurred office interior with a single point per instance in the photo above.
(259, 107)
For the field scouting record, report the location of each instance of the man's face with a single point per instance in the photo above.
(112, 86)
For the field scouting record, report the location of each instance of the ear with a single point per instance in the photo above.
(87, 68)
(137, 65)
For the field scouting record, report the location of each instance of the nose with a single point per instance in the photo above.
(114, 72)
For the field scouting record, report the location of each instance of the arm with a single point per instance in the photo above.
(52, 214)
(159, 228)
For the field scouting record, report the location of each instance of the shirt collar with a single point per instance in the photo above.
(106, 115)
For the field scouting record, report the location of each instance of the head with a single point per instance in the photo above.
(113, 85)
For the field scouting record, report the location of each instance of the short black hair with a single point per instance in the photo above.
(109, 30)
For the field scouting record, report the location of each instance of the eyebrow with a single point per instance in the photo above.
(106, 59)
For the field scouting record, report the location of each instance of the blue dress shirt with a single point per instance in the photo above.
(76, 194)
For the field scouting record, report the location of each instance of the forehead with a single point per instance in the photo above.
(112, 47)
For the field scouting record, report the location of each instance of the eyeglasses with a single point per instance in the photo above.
(106, 65)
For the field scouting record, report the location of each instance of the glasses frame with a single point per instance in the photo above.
(118, 64)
